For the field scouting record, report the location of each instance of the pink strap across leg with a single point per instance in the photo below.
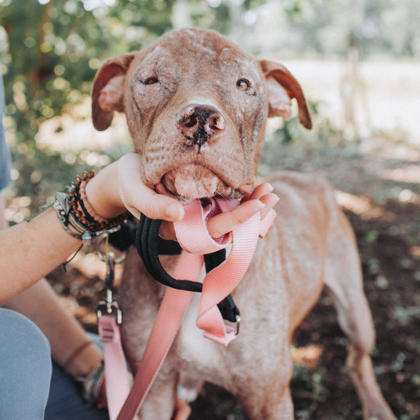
(167, 323)
(193, 236)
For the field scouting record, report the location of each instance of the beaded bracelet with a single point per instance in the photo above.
(93, 386)
(74, 210)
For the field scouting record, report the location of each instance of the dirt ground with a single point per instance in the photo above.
(380, 195)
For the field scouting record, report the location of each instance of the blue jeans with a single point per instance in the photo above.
(26, 374)
(65, 401)
(25, 368)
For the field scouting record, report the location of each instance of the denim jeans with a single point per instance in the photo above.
(31, 387)
(25, 368)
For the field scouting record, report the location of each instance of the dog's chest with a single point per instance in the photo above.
(190, 346)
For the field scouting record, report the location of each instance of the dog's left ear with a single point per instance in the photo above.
(282, 87)
(108, 87)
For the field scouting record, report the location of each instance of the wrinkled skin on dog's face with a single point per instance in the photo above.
(196, 107)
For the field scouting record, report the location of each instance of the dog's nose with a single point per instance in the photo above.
(200, 123)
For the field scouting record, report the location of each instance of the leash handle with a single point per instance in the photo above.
(147, 247)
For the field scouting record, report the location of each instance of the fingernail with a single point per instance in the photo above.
(271, 188)
(173, 212)
(260, 205)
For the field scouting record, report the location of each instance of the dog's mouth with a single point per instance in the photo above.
(195, 181)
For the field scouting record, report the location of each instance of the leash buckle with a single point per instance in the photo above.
(106, 307)
(105, 256)
(109, 306)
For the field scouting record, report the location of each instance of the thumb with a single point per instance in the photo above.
(157, 206)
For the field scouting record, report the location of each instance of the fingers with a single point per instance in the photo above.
(260, 191)
(263, 192)
(225, 222)
(270, 200)
(138, 198)
(154, 206)
(261, 199)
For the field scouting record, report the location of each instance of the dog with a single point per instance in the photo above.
(196, 107)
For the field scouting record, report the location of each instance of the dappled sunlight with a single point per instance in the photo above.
(322, 81)
(409, 174)
(307, 356)
(415, 251)
(359, 205)
(358, 64)
(74, 134)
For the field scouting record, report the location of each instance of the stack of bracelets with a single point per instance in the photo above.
(74, 211)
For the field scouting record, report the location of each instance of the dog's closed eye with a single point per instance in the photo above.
(150, 81)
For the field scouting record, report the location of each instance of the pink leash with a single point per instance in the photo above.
(194, 238)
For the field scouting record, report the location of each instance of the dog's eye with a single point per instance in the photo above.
(242, 84)
(150, 81)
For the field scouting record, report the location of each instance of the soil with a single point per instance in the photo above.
(386, 221)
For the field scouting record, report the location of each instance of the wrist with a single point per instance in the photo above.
(83, 359)
(102, 193)
(94, 392)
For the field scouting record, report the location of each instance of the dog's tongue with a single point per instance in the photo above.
(193, 181)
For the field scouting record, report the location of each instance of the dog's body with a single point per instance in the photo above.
(200, 132)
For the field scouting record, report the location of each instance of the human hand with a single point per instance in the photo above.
(119, 187)
(260, 200)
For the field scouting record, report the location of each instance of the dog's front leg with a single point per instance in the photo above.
(265, 391)
(271, 406)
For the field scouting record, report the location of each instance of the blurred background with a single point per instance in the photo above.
(359, 65)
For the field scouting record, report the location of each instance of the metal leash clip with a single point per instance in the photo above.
(238, 324)
(109, 306)
(104, 238)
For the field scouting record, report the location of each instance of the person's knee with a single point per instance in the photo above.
(26, 367)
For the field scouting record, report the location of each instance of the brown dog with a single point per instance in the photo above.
(196, 107)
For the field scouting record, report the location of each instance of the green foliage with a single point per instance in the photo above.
(312, 380)
(291, 144)
(217, 18)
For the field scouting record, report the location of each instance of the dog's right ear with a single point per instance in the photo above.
(107, 94)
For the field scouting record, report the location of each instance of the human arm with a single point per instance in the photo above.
(40, 304)
(33, 249)
(67, 338)
(30, 250)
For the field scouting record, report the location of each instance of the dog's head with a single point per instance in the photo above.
(196, 107)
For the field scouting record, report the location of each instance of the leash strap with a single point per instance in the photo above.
(117, 385)
(125, 237)
(166, 326)
(218, 283)
(149, 246)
